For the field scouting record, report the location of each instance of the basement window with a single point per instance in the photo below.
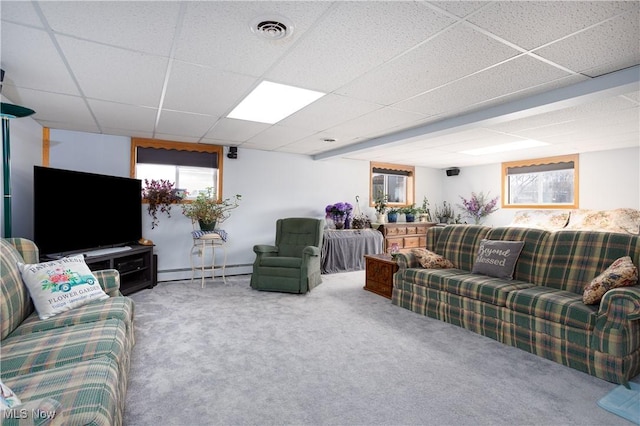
(394, 180)
(192, 167)
(550, 183)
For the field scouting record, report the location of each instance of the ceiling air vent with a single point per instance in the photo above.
(272, 28)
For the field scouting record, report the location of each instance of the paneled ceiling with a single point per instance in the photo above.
(407, 82)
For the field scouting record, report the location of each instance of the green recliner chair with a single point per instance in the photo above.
(293, 264)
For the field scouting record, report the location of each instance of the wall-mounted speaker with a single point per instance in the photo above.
(233, 152)
(454, 171)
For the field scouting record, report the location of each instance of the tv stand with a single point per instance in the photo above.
(108, 250)
(135, 264)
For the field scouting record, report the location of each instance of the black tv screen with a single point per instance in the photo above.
(76, 211)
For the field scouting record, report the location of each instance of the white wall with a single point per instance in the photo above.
(607, 179)
(275, 185)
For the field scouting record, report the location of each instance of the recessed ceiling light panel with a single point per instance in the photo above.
(272, 28)
(271, 102)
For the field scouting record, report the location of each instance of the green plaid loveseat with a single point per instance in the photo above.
(74, 364)
(541, 309)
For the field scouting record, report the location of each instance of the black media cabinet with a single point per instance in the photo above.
(136, 267)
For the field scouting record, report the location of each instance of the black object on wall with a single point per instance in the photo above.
(454, 171)
(233, 152)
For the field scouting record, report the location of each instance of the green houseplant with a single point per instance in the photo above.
(410, 213)
(380, 204)
(208, 211)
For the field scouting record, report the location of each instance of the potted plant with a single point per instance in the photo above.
(423, 212)
(159, 195)
(380, 203)
(392, 215)
(208, 211)
(409, 213)
(445, 213)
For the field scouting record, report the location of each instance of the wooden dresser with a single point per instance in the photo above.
(407, 235)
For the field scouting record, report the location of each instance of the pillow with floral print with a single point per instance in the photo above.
(431, 260)
(621, 273)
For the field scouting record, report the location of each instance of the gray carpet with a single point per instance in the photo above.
(229, 355)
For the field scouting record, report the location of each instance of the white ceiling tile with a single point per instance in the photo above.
(229, 129)
(20, 12)
(199, 89)
(338, 49)
(139, 25)
(277, 136)
(69, 109)
(176, 137)
(512, 76)
(180, 123)
(374, 123)
(614, 44)
(122, 116)
(26, 70)
(106, 72)
(460, 8)
(521, 22)
(329, 111)
(127, 132)
(84, 126)
(454, 54)
(218, 33)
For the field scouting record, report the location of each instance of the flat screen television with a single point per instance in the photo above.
(76, 211)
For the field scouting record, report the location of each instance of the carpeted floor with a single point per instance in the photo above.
(229, 355)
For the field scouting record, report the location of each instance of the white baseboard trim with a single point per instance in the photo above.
(185, 274)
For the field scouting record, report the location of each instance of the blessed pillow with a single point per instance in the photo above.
(8, 399)
(60, 285)
(497, 258)
(621, 273)
(431, 260)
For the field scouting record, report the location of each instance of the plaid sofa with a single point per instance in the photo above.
(541, 309)
(72, 368)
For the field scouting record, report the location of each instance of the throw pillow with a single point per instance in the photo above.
(8, 399)
(431, 260)
(497, 258)
(621, 273)
(60, 285)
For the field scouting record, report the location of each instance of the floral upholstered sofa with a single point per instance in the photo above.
(68, 369)
(541, 309)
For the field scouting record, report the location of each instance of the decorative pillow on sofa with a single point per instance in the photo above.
(497, 258)
(431, 260)
(621, 273)
(60, 285)
(8, 399)
(625, 221)
(550, 220)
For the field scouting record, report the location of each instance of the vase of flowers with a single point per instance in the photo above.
(340, 213)
(208, 211)
(478, 206)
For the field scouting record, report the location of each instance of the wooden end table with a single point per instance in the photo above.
(379, 274)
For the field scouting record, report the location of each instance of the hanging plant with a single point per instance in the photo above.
(159, 195)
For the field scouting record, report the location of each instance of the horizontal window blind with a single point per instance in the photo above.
(538, 168)
(391, 171)
(176, 157)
